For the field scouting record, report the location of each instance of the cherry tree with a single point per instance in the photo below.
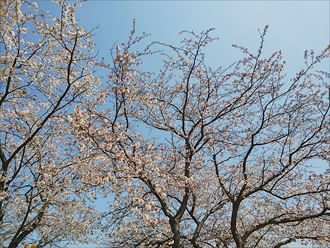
(197, 156)
(46, 70)
(190, 156)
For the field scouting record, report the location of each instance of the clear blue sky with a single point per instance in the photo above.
(294, 25)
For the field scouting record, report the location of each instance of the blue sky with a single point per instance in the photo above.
(294, 25)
